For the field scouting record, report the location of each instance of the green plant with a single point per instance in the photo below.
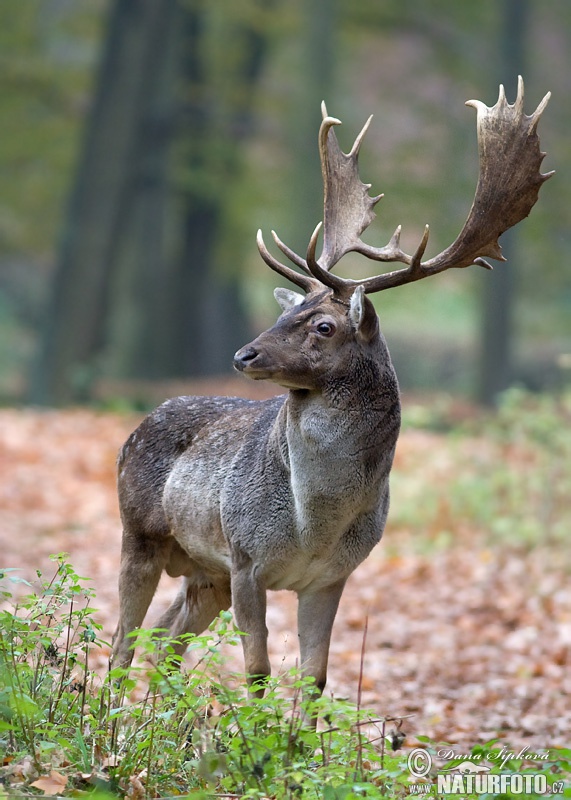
(503, 475)
(161, 731)
(44, 664)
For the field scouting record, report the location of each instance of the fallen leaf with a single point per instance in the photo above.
(136, 790)
(471, 635)
(51, 784)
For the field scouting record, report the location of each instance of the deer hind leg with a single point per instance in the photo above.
(142, 562)
(193, 610)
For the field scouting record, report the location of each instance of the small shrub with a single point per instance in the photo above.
(64, 730)
(505, 476)
(190, 731)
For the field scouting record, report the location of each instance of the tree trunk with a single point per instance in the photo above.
(496, 345)
(318, 58)
(74, 330)
(207, 320)
(138, 336)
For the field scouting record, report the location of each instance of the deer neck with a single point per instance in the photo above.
(336, 447)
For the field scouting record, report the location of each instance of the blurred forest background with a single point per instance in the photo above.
(145, 142)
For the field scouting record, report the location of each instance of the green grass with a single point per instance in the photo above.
(504, 475)
(191, 732)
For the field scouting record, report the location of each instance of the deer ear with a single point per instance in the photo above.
(287, 298)
(357, 307)
(362, 314)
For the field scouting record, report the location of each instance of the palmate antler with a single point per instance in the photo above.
(507, 190)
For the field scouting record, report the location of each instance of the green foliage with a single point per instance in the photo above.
(519, 491)
(508, 476)
(159, 731)
(46, 59)
(188, 731)
(44, 664)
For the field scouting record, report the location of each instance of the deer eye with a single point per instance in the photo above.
(325, 328)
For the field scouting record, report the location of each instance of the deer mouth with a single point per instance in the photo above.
(248, 360)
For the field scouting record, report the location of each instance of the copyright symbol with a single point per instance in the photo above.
(419, 762)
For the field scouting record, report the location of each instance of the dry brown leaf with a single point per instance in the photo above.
(474, 637)
(136, 790)
(22, 770)
(51, 784)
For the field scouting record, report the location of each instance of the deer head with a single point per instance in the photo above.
(313, 341)
(335, 310)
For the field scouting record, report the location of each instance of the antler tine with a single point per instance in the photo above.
(357, 146)
(415, 263)
(305, 282)
(518, 105)
(293, 257)
(536, 116)
(508, 187)
(324, 276)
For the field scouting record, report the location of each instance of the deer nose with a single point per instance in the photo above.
(244, 357)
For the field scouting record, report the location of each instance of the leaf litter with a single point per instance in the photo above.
(468, 632)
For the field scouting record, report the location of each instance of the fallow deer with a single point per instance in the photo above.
(238, 496)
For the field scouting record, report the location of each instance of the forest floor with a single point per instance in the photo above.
(468, 629)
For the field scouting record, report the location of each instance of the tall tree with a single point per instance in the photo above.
(136, 331)
(161, 100)
(74, 328)
(318, 22)
(206, 319)
(497, 328)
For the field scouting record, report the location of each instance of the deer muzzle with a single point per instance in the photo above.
(245, 358)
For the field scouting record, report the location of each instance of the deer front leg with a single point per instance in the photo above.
(249, 602)
(315, 616)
